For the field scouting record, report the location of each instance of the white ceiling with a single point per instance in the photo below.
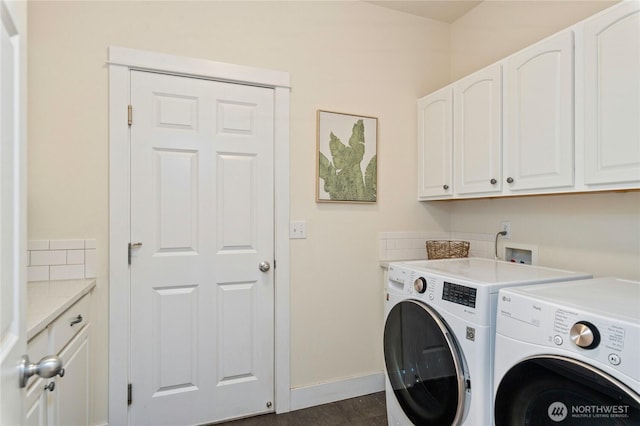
(440, 10)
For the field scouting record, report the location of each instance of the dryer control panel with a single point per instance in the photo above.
(596, 337)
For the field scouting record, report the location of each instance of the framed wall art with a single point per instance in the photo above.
(347, 163)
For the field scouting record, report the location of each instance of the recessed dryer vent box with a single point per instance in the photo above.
(521, 253)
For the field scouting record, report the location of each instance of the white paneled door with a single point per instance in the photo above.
(202, 298)
(13, 342)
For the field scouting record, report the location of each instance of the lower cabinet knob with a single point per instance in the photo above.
(445, 187)
(509, 180)
(493, 181)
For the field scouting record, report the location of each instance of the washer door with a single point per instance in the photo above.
(425, 365)
(552, 390)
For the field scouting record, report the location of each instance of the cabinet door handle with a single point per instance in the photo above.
(509, 180)
(493, 181)
(76, 320)
(445, 187)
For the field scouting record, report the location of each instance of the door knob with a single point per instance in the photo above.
(264, 266)
(46, 368)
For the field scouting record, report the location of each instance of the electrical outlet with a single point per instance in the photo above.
(297, 229)
(506, 227)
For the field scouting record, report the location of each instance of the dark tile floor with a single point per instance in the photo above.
(369, 410)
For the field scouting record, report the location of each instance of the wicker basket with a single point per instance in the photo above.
(447, 249)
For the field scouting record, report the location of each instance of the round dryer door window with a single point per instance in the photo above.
(424, 365)
(554, 390)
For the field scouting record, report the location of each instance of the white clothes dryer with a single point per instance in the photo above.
(439, 336)
(568, 354)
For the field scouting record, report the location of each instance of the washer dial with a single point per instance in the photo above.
(420, 285)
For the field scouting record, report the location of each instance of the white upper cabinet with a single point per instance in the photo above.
(477, 132)
(539, 143)
(435, 145)
(560, 116)
(612, 97)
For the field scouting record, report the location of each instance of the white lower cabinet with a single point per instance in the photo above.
(36, 404)
(62, 401)
(36, 396)
(72, 398)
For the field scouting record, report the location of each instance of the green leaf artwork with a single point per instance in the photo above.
(343, 176)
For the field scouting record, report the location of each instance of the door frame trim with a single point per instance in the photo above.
(121, 62)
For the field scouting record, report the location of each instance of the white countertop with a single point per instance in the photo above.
(384, 264)
(46, 300)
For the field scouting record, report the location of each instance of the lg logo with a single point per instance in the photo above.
(557, 411)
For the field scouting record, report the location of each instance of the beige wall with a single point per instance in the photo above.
(495, 29)
(594, 233)
(597, 233)
(343, 56)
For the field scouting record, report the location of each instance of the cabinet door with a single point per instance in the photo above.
(539, 145)
(36, 403)
(71, 403)
(37, 397)
(612, 96)
(477, 132)
(435, 145)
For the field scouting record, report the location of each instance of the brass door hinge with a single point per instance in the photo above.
(129, 115)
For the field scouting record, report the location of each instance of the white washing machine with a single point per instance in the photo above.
(568, 354)
(439, 336)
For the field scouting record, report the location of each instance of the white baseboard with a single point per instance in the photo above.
(325, 393)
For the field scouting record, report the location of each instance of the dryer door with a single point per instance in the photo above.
(552, 390)
(425, 366)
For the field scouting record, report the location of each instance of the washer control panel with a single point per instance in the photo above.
(465, 299)
(460, 294)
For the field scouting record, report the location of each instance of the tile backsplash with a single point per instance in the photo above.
(411, 245)
(61, 259)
